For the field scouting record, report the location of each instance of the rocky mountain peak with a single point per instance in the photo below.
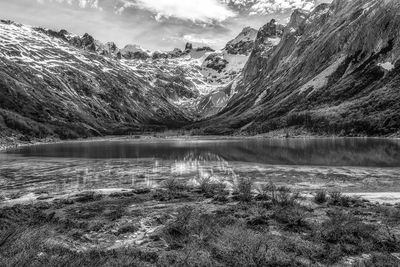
(188, 46)
(297, 20)
(268, 30)
(61, 34)
(268, 37)
(112, 47)
(134, 52)
(243, 43)
(86, 42)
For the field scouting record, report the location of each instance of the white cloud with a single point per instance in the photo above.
(80, 3)
(263, 7)
(266, 6)
(206, 11)
(198, 39)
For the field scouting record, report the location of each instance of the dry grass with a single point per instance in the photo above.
(271, 228)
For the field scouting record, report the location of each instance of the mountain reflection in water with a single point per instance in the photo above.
(366, 152)
(351, 164)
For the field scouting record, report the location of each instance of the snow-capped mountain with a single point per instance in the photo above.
(225, 68)
(222, 67)
(334, 70)
(331, 70)
(58, 83)
(55, 83)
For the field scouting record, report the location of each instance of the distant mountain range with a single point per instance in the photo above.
(59, 84)
(333, 70)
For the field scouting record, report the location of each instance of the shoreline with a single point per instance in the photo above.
(378, 198)
(6, 143)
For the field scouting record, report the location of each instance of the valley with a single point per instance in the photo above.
(280, 148)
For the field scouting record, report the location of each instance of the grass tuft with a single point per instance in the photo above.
(321, 197)
(244, 189)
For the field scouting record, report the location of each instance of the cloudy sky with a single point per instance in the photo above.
(153, 24)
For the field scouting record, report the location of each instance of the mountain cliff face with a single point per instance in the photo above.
(55, 84)
(223, 68)
(335, 70)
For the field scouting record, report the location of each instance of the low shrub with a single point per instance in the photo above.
(320, 197)
(335, 197)
(281, 196)
(174, 185)
(190, 226)
(213, 189)
(338, 199)
(244, 189)
(292, 218)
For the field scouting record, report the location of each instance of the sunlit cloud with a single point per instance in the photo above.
(153, 24)
(203, 11)
(263, 7)
(80, 3)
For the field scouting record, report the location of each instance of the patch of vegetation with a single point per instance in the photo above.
(344, 234)
(214, 189)
(270, 228)
(281, 196)
(174, 185)
(243, 189)
(338, 199)
(379, 259)
(291, 218)
(321, 197)
(88, 197)
(31, 247)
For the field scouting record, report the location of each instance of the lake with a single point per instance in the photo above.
(346, 164)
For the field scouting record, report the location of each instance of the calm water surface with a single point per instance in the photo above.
(346, 164)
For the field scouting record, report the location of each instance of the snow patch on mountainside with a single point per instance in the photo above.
(387, 66)
(232, 69)
(321, 80)
(185, 78)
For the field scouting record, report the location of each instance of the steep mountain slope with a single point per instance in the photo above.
(59, 84)
(223, 69)
(56, 84)
(335, 70)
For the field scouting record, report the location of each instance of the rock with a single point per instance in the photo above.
(160, 55)
(243, 44)
(188, 46)
(205, 48)
(134, 52)
(175, 53)
(85, 42)
(61, 34)
(216, 62)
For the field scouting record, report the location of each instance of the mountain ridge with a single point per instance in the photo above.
(54, 83)
(335, 71)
